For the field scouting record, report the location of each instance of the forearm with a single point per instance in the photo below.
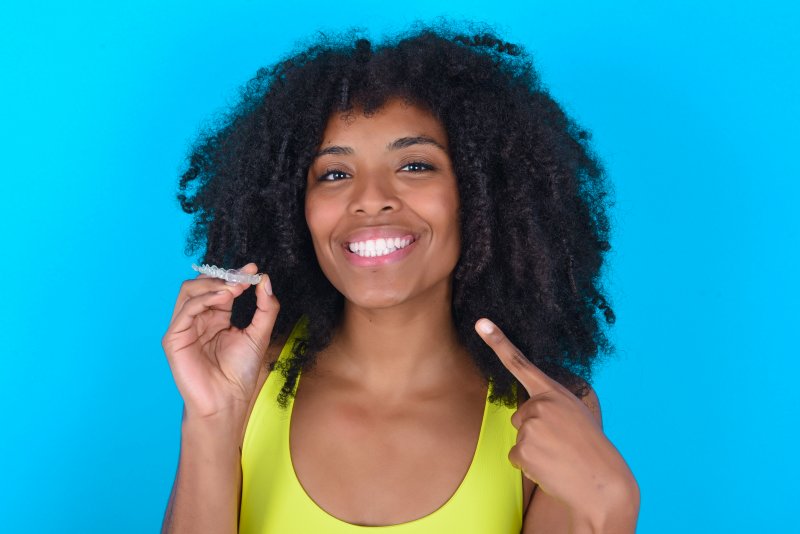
(205, 496)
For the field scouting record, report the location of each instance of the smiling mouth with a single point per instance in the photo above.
(374, 248)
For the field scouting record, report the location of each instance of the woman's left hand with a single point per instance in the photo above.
(560, 445)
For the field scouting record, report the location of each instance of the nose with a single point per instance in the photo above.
(373, 195)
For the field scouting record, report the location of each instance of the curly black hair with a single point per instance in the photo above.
(533, 196)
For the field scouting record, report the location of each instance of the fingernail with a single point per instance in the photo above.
(267, 285)
(485, 327)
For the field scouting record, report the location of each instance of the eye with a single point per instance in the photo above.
(417, 166)
(332, 175)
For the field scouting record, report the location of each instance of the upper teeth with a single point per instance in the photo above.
(378, 247)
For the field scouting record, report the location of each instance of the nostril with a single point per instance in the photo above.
(374, 206)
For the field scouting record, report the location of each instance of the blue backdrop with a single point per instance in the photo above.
(694, 110)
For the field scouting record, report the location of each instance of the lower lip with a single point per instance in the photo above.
(362, 261)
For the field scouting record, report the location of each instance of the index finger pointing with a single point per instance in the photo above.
(533, 379)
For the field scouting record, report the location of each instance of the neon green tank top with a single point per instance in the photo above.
(489, 498)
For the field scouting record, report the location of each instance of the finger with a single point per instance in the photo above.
(217, 322)
(531, 377)
(518, 460)
(267, 306)
(204, 284)
(526, 411)
(193, 288)
(529, 409)
(220, 300)
(249, 268)
(213, 321)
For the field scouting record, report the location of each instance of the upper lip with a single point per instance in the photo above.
(378, 232)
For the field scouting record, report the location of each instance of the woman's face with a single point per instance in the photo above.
(382, 206)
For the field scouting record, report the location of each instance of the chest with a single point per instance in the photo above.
(372, 464)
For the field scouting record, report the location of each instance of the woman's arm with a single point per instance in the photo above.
(209, 470)
(562, 448)
(205, 495)
(218, 370)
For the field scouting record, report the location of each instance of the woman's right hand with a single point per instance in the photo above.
(214, 364)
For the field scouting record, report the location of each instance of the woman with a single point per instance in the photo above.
(434, 226)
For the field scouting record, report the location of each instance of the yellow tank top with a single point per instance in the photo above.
(489, 499)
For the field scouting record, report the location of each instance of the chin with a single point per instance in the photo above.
(375, 299)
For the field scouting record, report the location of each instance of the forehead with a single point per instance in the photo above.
(393, 120)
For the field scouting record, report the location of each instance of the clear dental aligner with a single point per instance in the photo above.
(233, 276)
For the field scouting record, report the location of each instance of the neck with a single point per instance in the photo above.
(402, 349)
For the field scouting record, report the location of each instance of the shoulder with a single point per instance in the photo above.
(273, 351)
(588, 396)
(585, 393)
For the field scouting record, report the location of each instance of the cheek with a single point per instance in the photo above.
(320, 219)
(440, 208)
(445, 210)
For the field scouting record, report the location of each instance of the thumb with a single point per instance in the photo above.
(267, 307)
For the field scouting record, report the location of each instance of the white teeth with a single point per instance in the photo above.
(372, 248)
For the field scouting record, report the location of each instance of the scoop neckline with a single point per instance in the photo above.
(438, 511)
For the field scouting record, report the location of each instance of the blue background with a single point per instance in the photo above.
(694, 110)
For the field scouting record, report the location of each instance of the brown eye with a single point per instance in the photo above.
(416, 166)
(332, 175)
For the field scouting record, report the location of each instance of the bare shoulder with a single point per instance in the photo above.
(273, 351)
(588, 396)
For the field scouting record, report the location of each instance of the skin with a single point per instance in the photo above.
(394, 383)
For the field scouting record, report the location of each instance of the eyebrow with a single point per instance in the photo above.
(397, 144)
(405, 142)
(335, 150)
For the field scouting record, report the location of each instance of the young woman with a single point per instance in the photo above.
(434, 227)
